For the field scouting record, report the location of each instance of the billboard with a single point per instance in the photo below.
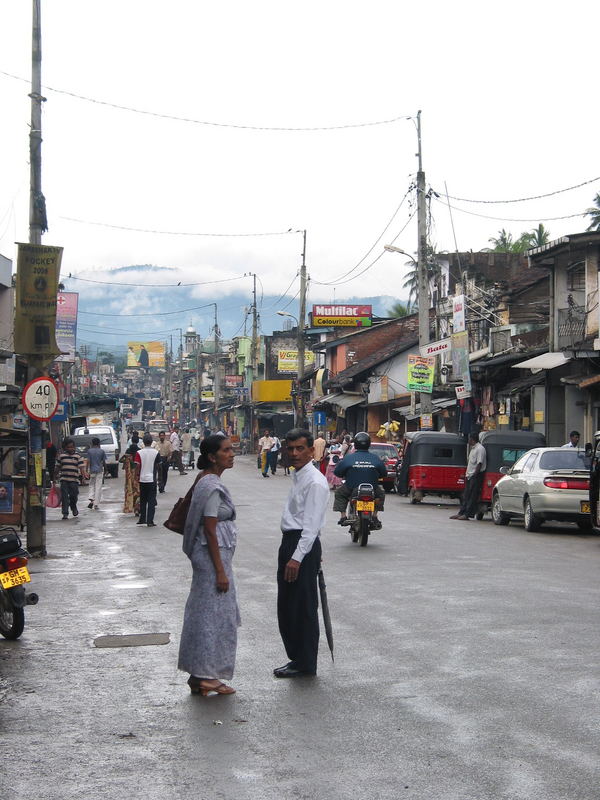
(342, 316)
(66, 324)
(38, 268)
(145, 354)
(420, 374)
(287, 360)
(232, 381)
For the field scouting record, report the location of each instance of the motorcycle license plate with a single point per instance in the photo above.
(365, 505)
(14, 577)
(584, 507)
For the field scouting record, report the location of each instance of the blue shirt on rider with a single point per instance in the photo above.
(360, 467)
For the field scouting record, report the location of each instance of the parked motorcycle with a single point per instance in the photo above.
(13, 577)
(362, 514)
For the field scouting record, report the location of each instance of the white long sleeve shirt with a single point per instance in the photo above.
(306, 507)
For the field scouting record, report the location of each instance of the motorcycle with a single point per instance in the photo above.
(13, 577)
(362, 518)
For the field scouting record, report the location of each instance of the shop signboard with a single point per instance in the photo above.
(435, 348)
(458, 313)
(460, 359)
(231, 381)
(287, 360)
(66, 324)
(461, 392)
(342, 316)
(420, 374)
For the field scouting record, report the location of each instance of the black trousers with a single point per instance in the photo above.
(468, 505)
(298, 604)
(147, 502)
(163, 471)
(69, 493)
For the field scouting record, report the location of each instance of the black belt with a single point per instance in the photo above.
(296, 532)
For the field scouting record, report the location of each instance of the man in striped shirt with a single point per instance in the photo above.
(69, 468)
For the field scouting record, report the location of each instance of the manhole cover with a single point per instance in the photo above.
(132, 640)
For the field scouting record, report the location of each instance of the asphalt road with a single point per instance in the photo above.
(466, 664)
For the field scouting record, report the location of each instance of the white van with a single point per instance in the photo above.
(108, 442)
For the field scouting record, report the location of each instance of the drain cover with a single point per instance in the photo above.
(132, 640)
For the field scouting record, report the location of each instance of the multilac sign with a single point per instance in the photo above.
(342, 316)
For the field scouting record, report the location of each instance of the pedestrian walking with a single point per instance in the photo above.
(96, 463)
(131, 502)
(187, 454)
(176, 454)
(70, 467)
(299, 559)
(284, 459)
(320, 447)
(146, 467)
(274, 454)
(265, 443)
(476, 465)
(165, 450)
(208, 643)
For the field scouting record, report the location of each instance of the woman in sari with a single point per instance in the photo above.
(209, 637)
(131, 503)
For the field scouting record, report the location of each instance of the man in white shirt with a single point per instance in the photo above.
(265, 443)
(574, 437)
(300, 558)
(146, 466)
(274, 454)
(476, 466)
(176, 445)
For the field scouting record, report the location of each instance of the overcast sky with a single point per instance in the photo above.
(509, 109)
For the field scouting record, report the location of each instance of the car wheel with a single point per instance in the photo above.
(499, 517)
(532, 522)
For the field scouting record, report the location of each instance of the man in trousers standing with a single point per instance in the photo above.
(96, 462)
(176, 445)
(146, 465)
(300, 558)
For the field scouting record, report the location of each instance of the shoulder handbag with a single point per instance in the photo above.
(179, 512)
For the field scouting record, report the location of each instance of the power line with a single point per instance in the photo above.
(369, 251)
(151, 314)
(175, 233)
(511, 219)
(525, 199)
(155, 285)
(279, 299)
(208, 122)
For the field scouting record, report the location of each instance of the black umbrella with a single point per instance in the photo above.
(325, 611)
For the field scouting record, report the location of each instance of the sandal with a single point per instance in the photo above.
(198, 686)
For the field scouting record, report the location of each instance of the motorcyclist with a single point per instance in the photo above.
(356, 468)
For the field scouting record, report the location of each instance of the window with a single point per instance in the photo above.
(565, 459)
(528, 463)
(510, 455)
(576, 278)
(442, 452)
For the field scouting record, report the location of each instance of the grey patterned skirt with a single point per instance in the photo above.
(211, 619)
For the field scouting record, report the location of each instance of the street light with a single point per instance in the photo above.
(287, 314)
(392, 249)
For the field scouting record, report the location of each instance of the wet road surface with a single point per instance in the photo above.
(466, 664)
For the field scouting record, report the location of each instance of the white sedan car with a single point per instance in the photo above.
(545, 483)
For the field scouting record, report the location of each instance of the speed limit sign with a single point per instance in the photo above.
(40, 398)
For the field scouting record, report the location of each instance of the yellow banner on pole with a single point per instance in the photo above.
(38, 270)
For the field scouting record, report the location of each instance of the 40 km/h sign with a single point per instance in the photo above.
(40, 399)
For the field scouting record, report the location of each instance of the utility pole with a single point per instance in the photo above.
(181, 394)
(35, 514)
(171, 381)
(425, 399)
(254, 343)
(216, 381)
(301, 322)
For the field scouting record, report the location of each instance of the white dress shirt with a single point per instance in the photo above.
(306, 507)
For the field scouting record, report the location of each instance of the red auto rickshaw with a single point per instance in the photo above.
(502, 449)
(432, 462)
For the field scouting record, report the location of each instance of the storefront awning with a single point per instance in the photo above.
(545, 361)
(347, 400)
(438, 405)
(522, 384)
(589, 381)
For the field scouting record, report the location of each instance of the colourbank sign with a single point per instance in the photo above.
(342, 316)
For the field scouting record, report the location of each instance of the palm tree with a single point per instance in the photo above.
(504, 242)
(536, 238)
(594, 213)
(399, 309)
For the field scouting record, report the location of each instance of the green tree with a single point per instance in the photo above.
(538, 237)
(399, 309)
(594, 214)
(504, 243)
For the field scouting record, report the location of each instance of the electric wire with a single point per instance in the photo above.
(370, 250)
(510, 219)
(155, 285)
(210, 123)
(151, 314)
(523, 199)
(279, 299)
(176, 233)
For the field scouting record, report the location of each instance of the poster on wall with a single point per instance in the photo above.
(287, 360)
(458, 313)
(460, 360)
(6, 497)
(420, 374)
(66, 324)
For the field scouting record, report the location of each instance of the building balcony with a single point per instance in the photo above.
(571, 326)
